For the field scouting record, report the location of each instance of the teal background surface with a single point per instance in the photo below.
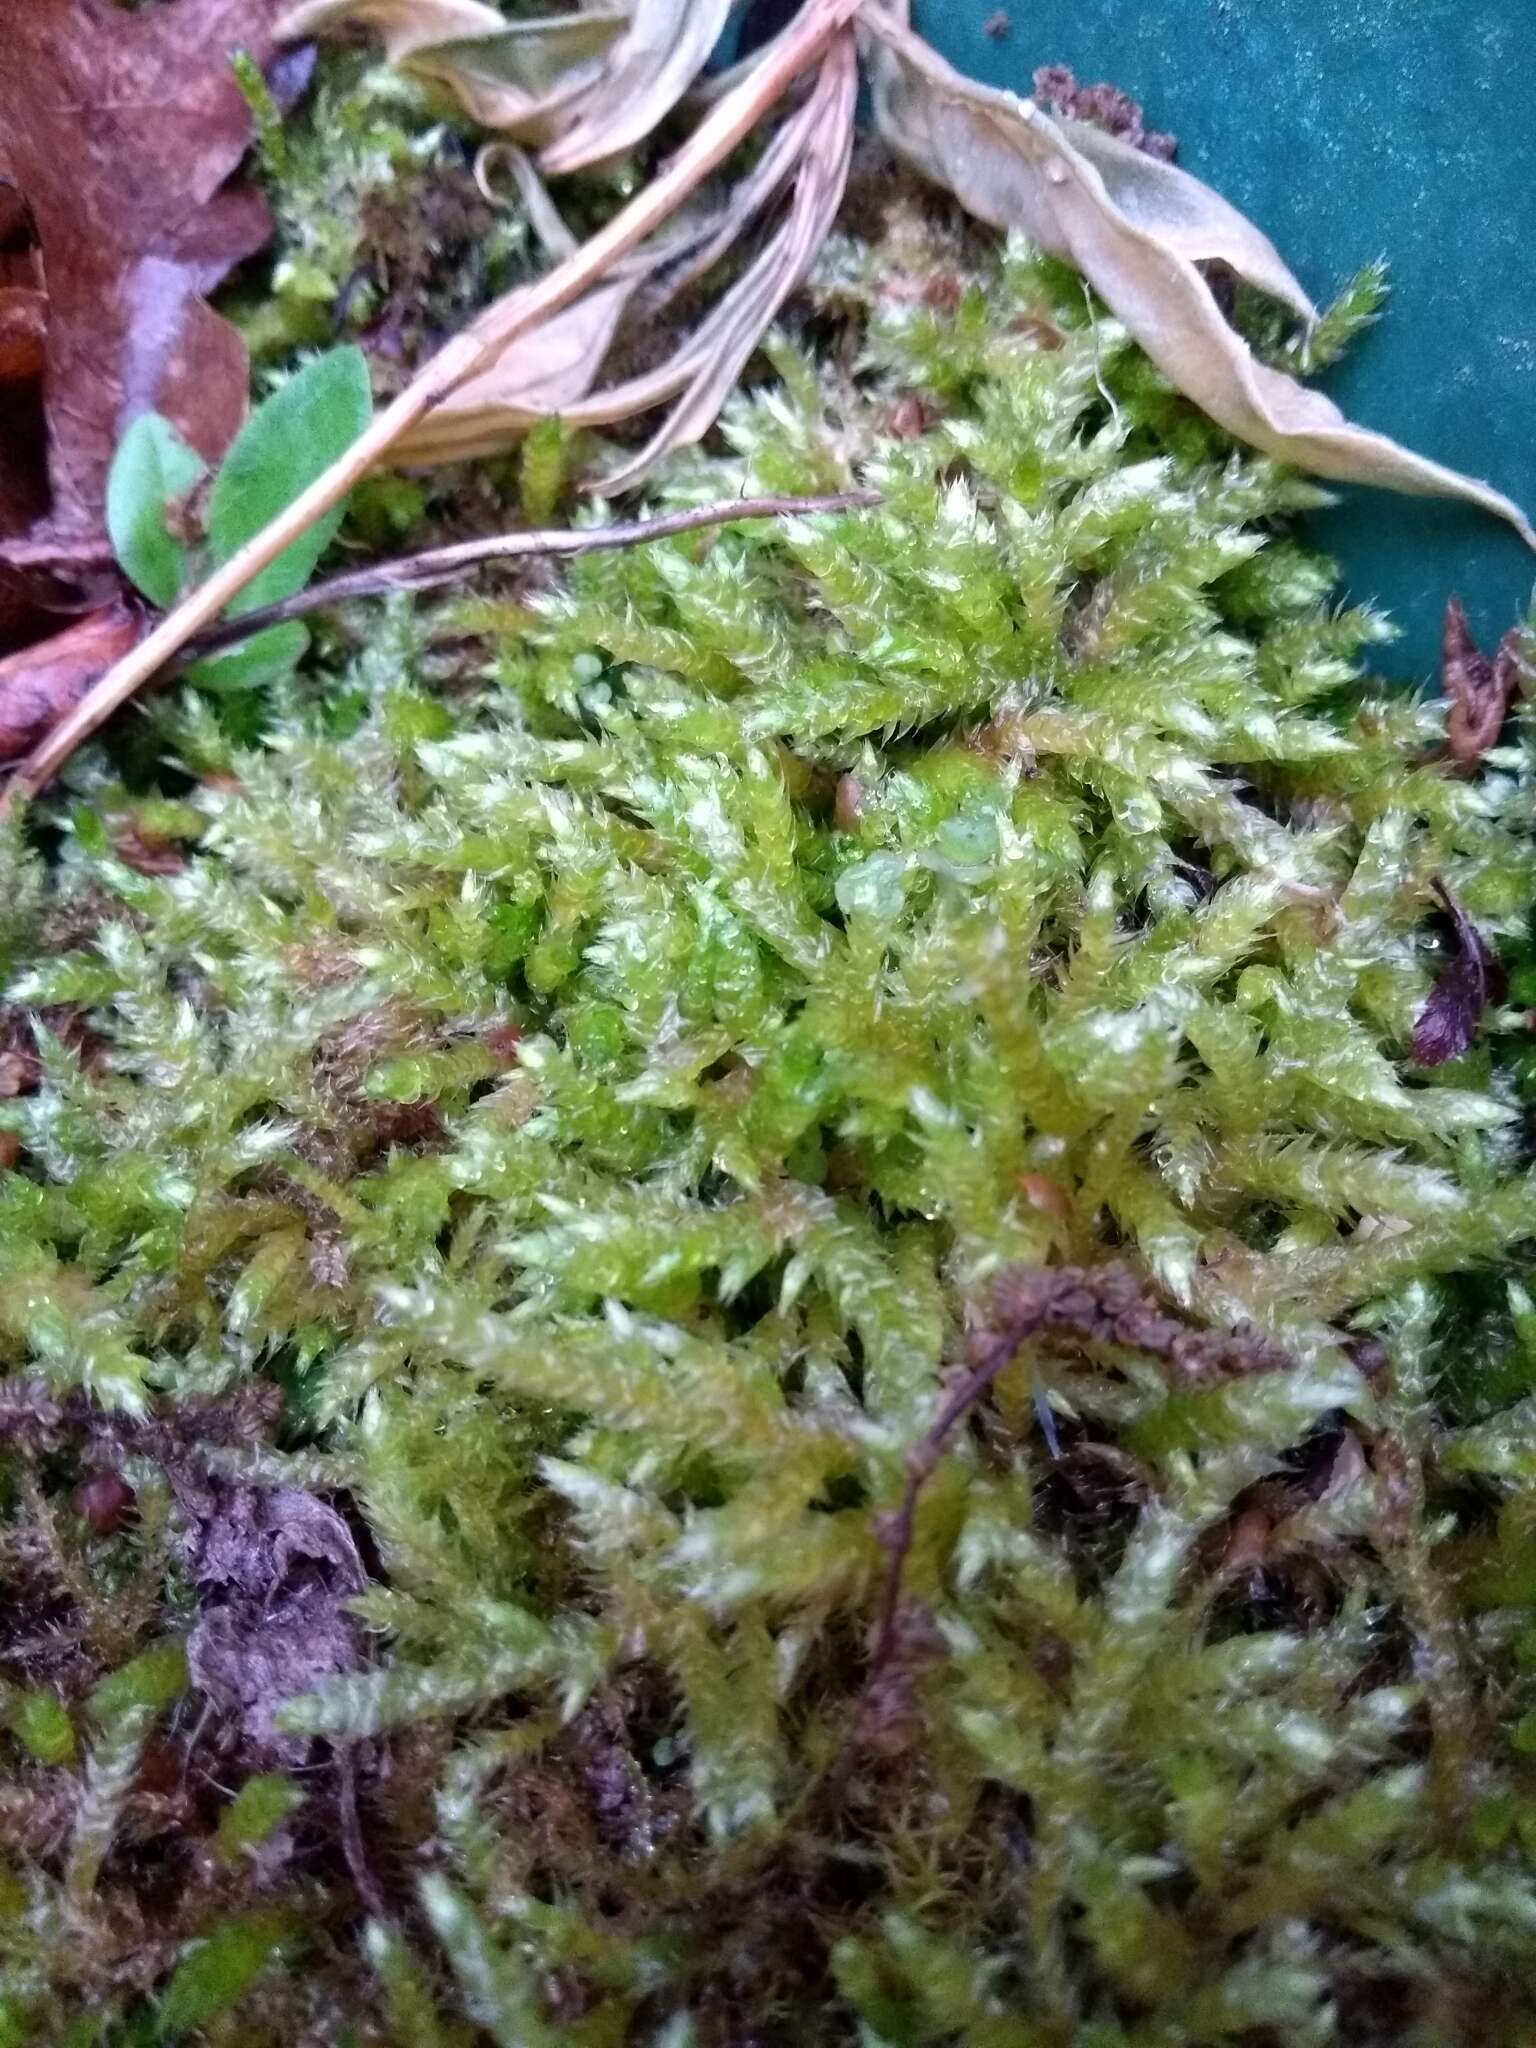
(1350, 129)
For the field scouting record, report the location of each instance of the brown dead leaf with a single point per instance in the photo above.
(1479, 688)
(119, 131)
(273, 1569)
(23, 333)
(1136, 229)
(41, 683)
(1448, 1024)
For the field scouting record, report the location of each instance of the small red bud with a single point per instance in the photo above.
(105, 1500)
(848, 803)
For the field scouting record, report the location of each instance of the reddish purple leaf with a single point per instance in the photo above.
(1447, 1025)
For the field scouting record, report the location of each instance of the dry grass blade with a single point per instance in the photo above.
(462, 358)
(544, 217)
(1011, 164)
(726, 340)
(493, 410)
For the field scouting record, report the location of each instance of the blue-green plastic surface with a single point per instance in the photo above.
(1350, 129)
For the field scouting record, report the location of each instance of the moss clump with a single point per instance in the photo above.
(599, 1099)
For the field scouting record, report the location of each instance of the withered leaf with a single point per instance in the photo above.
(1479, 688)
(1447, 1024)
(545, 372)
(40, 683)
(651, 66)
(524, 77)
(1010, 164)
(585, 85)
(980, 144)
(120, 131)
(23, 333)
(273, 1569)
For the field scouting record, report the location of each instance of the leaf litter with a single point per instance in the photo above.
(1138, 243)
(1096, 191)
(121, 133)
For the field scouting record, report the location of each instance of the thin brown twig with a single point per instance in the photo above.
(480, 345)
(434, 567)
(1107, 1304)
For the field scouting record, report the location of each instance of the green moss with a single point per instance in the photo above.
(601, 1096)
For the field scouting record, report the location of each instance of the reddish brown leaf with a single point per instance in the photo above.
(38, 685)
(1447, 1024)
(23, 331)
(118, 131)
(1479, 688)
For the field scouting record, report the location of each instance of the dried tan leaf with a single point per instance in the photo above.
(1012, 165)
(1163, 200)
(523, 77)
(546, 372)
(649, 69)
(953, 140)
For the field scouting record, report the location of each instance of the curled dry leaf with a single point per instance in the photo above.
(652, 65)
(543, 215)
(1479, 688)
(523, 77)
(41, 683)
(1136, 230)
(980, 144)
(584, 86)
(545, 372)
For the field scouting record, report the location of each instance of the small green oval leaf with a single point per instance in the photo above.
(291, 439)
(263, 659)
(152, 467)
